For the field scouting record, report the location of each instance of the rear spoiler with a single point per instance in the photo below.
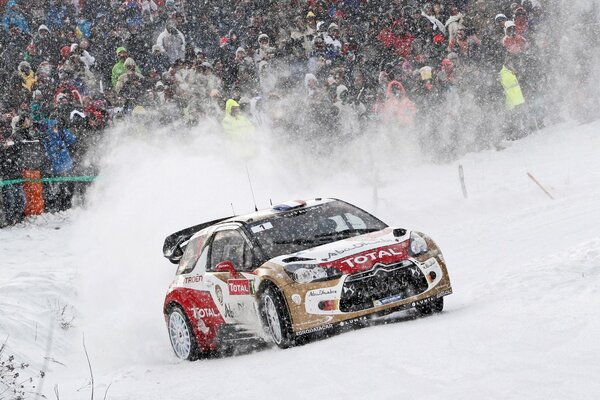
(173, 249)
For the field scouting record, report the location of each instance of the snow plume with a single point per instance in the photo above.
(155, 181)
(573, 48)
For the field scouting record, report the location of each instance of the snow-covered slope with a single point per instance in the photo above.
(522, 322)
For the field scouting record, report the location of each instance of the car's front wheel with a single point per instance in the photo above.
(276, 318)
(181, 334)
(434, 306)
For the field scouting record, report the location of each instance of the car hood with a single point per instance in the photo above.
(354, 254)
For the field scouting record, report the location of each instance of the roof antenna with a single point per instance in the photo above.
(251, 190)
(232, 209)
(271, 202)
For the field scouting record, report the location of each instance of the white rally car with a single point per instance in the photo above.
(291, 270)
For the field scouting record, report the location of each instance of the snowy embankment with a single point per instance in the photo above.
(522, 322)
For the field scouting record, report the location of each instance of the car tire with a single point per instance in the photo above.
(434, 306)
(181, 334)
(276, 318)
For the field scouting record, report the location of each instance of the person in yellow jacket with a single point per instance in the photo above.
(514, 100)
(235, 124)
(239, 129)
(512, 89)
(27, 75)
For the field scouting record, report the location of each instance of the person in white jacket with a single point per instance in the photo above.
(172, 43)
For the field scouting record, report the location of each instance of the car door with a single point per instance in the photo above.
(234, 290)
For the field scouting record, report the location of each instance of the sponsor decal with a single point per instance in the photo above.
(202, 326)
(372, 256)
(192, 279)
(421, 302)
(322, 292)
(365, 260)
(219, 294)
(240, 287)
(315, 329)
(261, 227)
(296, 298)
(356, 246)
(387, 300)
(203, 312)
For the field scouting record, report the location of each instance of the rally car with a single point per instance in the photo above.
(292, 270)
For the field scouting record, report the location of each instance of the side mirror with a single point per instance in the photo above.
(226, 266)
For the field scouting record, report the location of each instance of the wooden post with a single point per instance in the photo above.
(540, 185)
(461, 176)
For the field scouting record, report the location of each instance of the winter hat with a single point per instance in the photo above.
(340, 89)
(319, 25)
(499, 16)
(159, 84)
(43, 27)
(60, 97)
(129, 62)
(333, 26)
(508, 24)
(223, 41)
(263, 36)
(240, 50)
(74, 46)
(206, 64)
(23, 65)
(310, 14)
(438, 39)
(37, 93)
(65, 51)
(155, 48)
(121, 49)
(425, 72)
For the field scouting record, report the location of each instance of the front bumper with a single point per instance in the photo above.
(385, 288)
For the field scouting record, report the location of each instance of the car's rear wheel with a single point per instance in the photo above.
(434, 306)
(181, 334)
(276, 318)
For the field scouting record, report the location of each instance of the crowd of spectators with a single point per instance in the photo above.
(71, 68)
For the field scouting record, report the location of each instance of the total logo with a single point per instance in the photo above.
(240, 287)
(372, 256)
(203, 312)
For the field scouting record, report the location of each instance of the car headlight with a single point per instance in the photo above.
(418, 245)
(306, 273)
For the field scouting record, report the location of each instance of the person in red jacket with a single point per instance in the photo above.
(513, 42)
(398, 38)
(520, 20)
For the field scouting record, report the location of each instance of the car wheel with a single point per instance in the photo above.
(181, 334)
(276, 318)
(434, 306)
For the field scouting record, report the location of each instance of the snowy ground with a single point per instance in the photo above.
(522, 322)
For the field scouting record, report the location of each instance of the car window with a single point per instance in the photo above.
(355, 221)
(231, 246)
(339, 222)
(191, 255)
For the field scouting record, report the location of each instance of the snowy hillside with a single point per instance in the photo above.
(522, 322)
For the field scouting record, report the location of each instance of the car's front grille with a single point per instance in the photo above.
(382, 284)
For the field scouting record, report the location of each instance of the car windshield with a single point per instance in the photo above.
(308, 227)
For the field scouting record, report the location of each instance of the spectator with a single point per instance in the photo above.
(172, 42)
(513, 42)
(56, 144)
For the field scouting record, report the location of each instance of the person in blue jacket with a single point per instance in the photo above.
(56, 143)
(14, 17)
